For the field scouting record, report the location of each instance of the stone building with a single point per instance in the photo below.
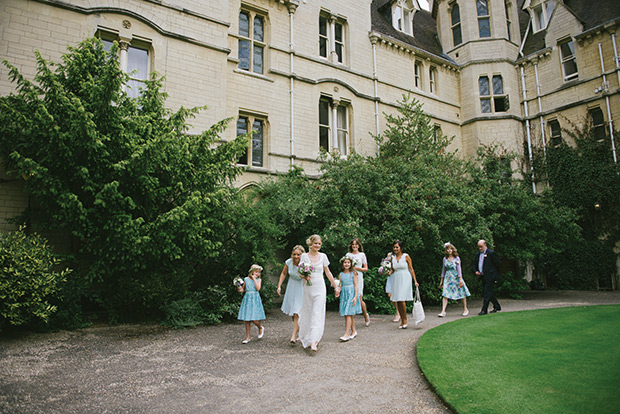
(312, 74)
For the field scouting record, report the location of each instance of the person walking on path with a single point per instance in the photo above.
(291, 304)
(349, 295)
(487, 267)
(312, 314)
(356, 252)
(402, 290)
(452, 283)
(251, 309)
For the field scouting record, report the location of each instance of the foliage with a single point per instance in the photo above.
(585, 178)
(418, 192)
(28, 279)
(150, 206)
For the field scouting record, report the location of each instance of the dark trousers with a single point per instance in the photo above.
(489, 295)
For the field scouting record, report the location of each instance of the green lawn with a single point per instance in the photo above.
(563, 360)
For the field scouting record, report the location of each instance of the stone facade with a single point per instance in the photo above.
(354, 79)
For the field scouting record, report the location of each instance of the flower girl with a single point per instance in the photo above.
(251, 309)
(349, 304)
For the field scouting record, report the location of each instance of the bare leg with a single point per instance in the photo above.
(247, 330)
(396, 315)
(353, 330)
(347, 325)
(364, 312)
(465, 310)
(295, 328)
(445, 304)
(402, 311)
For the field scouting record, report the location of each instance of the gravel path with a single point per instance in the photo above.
(151, 369)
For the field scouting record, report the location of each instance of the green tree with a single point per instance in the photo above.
(148, 204)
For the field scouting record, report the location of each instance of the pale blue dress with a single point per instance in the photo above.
(361, 259)
(293, 297)
(402, 284)
(347, 292)
(251, 308)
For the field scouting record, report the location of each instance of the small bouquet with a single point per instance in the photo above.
(305, 269)
(386, 266)
(238, 282)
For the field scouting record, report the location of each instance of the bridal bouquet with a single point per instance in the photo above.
(238, 282)
(305, 269)
(385, 267)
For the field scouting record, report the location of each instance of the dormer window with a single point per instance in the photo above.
(541, 15)
(402, 16)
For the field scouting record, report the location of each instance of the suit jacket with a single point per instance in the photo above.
(490, 265)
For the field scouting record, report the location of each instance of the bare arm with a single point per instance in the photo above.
(354, 301)
(443, 271)
(411, 270)
(282, 277)
(257, 282)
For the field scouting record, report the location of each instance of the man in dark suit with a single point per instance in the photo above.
(486, 265)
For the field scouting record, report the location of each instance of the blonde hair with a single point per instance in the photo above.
(310, 241)
(298, 247)
(255, 267)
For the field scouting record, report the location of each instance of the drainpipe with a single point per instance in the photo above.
(605, 89)
(527, 129)
(291, 11)
(373, 41)
(542, 123)
(616, 57)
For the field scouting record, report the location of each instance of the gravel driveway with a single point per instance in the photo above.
(151, 369)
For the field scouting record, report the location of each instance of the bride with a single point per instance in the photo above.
(312, 314)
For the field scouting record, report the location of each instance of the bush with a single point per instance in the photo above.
(28, 280)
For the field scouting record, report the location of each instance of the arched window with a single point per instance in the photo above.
(484, 23)
(455, 13)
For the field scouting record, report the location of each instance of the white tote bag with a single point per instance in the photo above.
(418, 310)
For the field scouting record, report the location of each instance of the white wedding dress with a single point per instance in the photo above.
(312, 314)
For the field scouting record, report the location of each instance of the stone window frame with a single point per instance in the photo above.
(541, 13)
(401, 8)
(418, 78)
(568, 59)
(257, 41)
(498, 100)
(596, 121)
(455, 27)
(256, 151)
(437, 132)
(331, 47)
(126, 46)
(483, 18)
(555, 132)
(334, 134)
(433, 75)
(508, 19)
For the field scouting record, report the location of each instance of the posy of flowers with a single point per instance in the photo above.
(305, 269)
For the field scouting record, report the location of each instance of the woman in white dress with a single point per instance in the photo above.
(291, 305)
(402, 290)
(356, 252)
(312, 314)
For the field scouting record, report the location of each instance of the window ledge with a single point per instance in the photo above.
(254, 75)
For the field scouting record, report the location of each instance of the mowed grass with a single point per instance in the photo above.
(563, 360)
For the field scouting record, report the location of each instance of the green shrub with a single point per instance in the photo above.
(28, 280)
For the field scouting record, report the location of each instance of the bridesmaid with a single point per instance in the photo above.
(291, 305)
(402, 290)
(356, 252)
(312, 314)
(452, 284)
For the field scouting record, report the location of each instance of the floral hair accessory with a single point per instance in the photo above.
(255, 267)
(446, 244)
(345, 257)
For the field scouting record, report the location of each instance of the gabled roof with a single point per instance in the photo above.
(590, 13)
(424, 28)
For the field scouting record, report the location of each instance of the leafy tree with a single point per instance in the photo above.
(148, 204)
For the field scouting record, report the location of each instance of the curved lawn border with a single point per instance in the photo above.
(564, 360)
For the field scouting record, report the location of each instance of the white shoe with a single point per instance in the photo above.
(466, 313)
(402, 327)
(345, 338)
(261, 333)
(442, 314)
(368, 321)
(353, 335)
(245, 341)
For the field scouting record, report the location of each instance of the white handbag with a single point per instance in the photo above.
(418, 310)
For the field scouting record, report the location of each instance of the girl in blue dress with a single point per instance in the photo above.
(349, 294)
(251, 309)
(291, 305)
(452, 283)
